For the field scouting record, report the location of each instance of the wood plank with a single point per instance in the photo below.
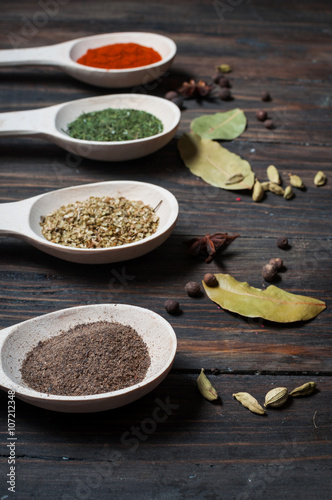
(200, 447)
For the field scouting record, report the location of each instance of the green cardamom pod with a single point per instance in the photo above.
(296, 181)
(258, 191)
(289, 193)
(224, 68)
(234, 179)
(265, 186)
(303, 390)
(320, 179)
(276, 397)
(205, 387)
(276, 189)
(273, 174)
(248, 401)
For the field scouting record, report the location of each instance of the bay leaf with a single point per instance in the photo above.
(226, 126)
(214, 163)
(272, 303)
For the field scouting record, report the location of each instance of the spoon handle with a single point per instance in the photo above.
(14, 218)
(52, 55)
(34, 122)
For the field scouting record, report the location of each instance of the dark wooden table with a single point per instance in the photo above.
(201, 450)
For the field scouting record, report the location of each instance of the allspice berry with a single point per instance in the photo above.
(265, 96)
(277, 262)
(224, 94)
(261, 115)
(269, 272)
(172, 306)
(268, 124)
(178, 101)
(172, 94)
(282, 242)
(193, 289)
(224, 82)
(210, 280)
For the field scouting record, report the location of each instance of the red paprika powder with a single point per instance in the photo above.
(120, 56)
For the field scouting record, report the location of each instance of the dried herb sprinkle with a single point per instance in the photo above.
(115, 125)
(88, 359)
(100, 223)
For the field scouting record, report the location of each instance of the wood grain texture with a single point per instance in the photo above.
(200, 450)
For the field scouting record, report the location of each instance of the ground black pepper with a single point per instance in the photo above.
(88, 359)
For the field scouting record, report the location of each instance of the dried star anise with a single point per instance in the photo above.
(209, 245)
(193, 89)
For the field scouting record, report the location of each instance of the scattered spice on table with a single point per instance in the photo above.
(193, 289)
(209, 245)
(115, 125)
(120, 56)
(91, 358)
(172, 306)
(265, 96)
(282, 242)
(100, 223)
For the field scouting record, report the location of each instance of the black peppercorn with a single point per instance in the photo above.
(224, 94)
(282, 242)
(172, 306)
(265, 96)
(268, 124)
(277, 262)
(269, 272)
(193, 289)
(261, 115)
(210, 280)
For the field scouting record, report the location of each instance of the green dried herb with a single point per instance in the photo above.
(114, 125)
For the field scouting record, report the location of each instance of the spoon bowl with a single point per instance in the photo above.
(64, 56)
(51, 123)
(22, 219)
(16, 341)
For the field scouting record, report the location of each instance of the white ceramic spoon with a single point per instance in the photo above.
(64, 56)
(51, 124)
(16, 341)
(21, 219)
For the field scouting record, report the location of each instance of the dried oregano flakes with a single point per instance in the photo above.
(100, 223)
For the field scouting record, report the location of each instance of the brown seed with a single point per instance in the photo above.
(265, 96)
(261, 115)
(193, 289)
(171, 95)
(178, 101)
(224, 94)
(210, 280)
(269, 272)
(217, 77)
(282, 242)
(268, 124)
(172, 306)
(277, 262)
(224, 82)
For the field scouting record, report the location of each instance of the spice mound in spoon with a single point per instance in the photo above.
(120, 56)
(88, 359)
(114, 125)
(100, 223)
